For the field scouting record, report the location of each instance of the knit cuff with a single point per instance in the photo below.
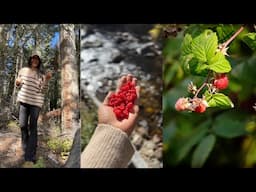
(109, 147)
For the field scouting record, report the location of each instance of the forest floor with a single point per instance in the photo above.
(50, 153)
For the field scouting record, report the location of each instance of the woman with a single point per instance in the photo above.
(32, 84)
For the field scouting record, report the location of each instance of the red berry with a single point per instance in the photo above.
(221, 82)
(200, 108)
(123, 101)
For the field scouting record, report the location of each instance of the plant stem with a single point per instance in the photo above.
(203, 85)
(225, 44)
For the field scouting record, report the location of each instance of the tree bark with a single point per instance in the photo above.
(69, 78)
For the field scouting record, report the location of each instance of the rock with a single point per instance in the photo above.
(94, 44)
(143, 123)
(156, 139)
(147, 149)
(131, 67)
(149, 110)
(93, 60)
(137, 140)
(116, 57)
(158, 153)
(154, 163)
(149, 145)
(142, 131)
(147, 152)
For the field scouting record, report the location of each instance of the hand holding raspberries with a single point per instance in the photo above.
(123, 101)
(120, 108)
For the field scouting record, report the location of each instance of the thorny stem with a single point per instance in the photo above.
(225, 44)
(203, 85)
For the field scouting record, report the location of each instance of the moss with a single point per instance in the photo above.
(60, 145)
(40, 163)
(88, 122)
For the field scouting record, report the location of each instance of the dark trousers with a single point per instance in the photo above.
(29, 131)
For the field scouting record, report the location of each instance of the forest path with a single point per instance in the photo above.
(12, 155)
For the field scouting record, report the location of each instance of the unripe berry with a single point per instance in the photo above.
(181, 104)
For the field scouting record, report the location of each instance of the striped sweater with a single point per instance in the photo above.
(32, 88)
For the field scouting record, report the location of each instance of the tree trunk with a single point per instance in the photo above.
(73, 160)
(69, 79)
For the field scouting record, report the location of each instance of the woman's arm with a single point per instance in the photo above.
(18, 80)
(110, 146)
(45, 82)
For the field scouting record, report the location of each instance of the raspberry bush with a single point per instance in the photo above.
(209, 94)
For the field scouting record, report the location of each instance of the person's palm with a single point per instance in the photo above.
(107, 116)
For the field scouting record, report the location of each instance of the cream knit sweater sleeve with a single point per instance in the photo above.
(109, 147)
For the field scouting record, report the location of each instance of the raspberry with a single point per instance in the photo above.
(200, 108)
(123, 101)
(221, 82)
(181, 104)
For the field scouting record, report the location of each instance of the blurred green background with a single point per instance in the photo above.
(218, 137)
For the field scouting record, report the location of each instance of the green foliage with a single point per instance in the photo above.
(218, 137)
(191, 141)
(250, 40)
(89, 121)
(218, 100)
(199, 55)
(219, 64)
(60, 145)
(203, 150)
(39, 163)
(230, 125)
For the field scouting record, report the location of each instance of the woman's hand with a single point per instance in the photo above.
(48, 76)
(107, 116)
(18, 82)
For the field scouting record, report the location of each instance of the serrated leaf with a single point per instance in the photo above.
(198, 68)
(219, 64)
(203, 150)
(186, 45)
(219, 100)
(229, 125)
(250, 40)
(207, 96)
(204, 46)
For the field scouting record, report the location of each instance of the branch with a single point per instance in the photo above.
(225, 44)
(203, 85)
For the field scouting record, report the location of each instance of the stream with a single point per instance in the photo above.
(107, 52)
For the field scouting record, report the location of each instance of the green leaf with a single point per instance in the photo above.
(219, 100)
(203, 150)
(230, 125)
(186, 45)
(193, 139)
(198, 68)
(207, 96)
(205, 45)
(219, 64)
(250, 40)
(224, 32)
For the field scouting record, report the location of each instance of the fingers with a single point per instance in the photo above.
(120, 82)
(136, 108)
(105, 102)
(137, 91)
(124, 79)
